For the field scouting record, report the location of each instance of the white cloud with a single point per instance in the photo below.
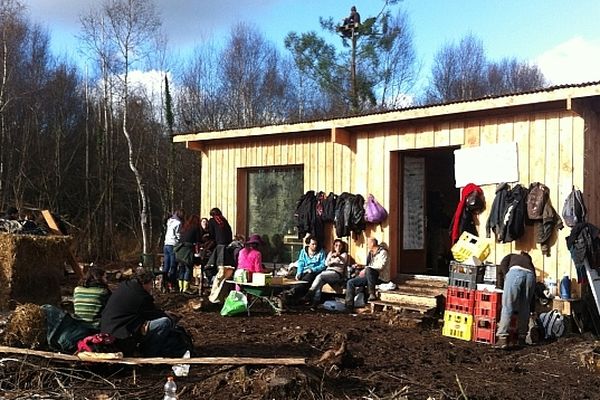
(574, 61)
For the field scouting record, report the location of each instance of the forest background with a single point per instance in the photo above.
(95, 146)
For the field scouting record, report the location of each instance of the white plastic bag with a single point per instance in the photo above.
(182, 369)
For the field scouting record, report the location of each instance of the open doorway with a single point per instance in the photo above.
(427, 198)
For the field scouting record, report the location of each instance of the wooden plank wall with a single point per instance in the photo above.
(549, 147)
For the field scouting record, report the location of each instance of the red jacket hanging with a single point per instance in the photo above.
(467, 190)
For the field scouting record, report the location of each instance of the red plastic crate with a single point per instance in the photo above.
(484, 330)
(488, 304)
(460, 300)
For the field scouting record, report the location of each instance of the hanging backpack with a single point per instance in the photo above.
(553, 323)
(374, 212)
(574, 210)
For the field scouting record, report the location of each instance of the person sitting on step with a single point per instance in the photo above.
(334, 274)
(376, 271)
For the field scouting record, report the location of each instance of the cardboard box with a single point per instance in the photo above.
(565, 307)
(277, 280)
(261, 278)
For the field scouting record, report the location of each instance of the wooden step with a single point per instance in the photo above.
(422, 281)
(397, 297)
(380, 306)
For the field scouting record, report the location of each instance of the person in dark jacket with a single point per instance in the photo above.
(131, 316)
(191, 235)
(516, 275)
(219, 228)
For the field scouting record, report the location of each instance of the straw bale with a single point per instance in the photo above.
(31, 268)
(26, 327)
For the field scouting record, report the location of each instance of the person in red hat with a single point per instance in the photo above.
(250, 258)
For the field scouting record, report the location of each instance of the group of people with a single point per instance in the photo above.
(317, 268)
(129, 315)
(190, 242)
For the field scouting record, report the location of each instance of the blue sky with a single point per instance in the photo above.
(562, 37)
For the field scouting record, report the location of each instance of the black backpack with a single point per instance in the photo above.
(574, 210)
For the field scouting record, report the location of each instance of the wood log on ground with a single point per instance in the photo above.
(159, 360)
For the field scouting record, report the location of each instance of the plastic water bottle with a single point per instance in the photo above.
(565, 287)
(170, 389)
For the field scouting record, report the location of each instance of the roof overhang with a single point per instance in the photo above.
(340, 128)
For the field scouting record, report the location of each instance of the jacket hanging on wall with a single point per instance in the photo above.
(546, 227)
(464, 216)
(329, 207)
(536, 200)
(584, 244)
(305, 213)
(574, 210)
(508, 213)
(349, 214)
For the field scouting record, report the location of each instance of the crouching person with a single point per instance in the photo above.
(131, 316)
(516, 275)
(375, 272)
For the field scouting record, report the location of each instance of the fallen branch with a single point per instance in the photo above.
(158, 360)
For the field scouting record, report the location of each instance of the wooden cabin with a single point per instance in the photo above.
(409, 160)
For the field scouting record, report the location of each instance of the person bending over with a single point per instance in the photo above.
(516, 275)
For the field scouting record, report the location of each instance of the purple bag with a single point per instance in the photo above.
(374, 212)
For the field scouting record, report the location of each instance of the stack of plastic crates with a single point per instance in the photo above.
(460, 300)
(488, 306)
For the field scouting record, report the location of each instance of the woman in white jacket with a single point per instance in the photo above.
(172, 238)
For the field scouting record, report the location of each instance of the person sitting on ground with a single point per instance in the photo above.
(516, 275)
(90, 297)
(334, 274)
(250, 258)
(375, 272)
(311, 262)
(132, 317)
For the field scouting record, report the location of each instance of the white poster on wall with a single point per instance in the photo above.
(487, 164)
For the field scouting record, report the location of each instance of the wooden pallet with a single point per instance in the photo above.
(380, 306)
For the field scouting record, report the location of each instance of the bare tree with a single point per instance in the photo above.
(462, 72)
(121, 35)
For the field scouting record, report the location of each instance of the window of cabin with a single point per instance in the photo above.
(272, 194)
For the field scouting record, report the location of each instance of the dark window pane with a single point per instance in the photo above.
(272, 197)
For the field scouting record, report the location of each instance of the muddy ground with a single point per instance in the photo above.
(380, 357)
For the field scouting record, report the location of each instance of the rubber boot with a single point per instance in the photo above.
(181, 285)
(184, 286)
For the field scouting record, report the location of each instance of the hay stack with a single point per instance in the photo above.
(31, 268)
(26, 327)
